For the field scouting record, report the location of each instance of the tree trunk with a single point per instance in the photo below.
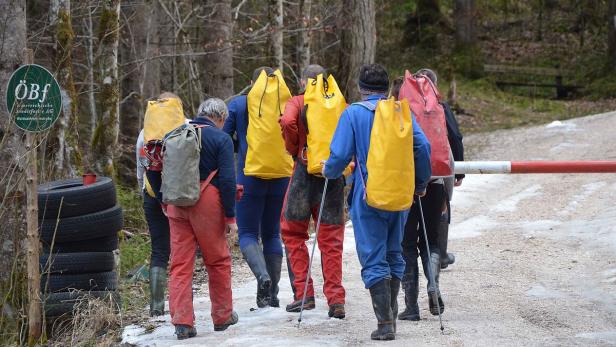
(219, 65)
(105, 137)
(139, 80)
(464, 19)
(612, 33)
(67, 156)
(277, 26)
(303, 41)
(358, 43)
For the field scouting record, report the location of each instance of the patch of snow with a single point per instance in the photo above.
(510, 204)
(564, 126)
(541, 292)
(471, 227)
(607, 336)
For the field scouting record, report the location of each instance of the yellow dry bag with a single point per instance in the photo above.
(162, 116)
(390, 163)
(324, 105)
(267, 157)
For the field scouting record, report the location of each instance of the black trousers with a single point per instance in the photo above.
(158, 225)
(413, 242)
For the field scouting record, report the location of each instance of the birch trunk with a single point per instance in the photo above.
(105, 137)
(277, 42)
(303, 41)
(358, 43)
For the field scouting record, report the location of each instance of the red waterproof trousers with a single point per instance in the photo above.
(298, 207)
(204, 225)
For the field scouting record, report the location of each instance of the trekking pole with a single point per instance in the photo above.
(316, 234)
(430, 273)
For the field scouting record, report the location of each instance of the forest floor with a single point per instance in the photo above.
(536, 261)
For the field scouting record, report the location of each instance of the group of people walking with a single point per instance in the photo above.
(277, 182)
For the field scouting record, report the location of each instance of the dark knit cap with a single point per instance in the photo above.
(373, 77)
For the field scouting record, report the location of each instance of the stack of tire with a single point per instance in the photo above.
(79, 227)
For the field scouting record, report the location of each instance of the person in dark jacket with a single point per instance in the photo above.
(378, 233)
(258, 211)
(205, 225)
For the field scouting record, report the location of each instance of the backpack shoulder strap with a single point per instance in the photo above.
(370, 106)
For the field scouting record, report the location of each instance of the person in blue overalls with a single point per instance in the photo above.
(378, 233)
(258, 211)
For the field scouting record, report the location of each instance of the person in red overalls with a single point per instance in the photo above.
(301, 202)
(205, 224)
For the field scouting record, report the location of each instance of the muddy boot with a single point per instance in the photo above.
(184, 331)
(256, 261)
(381, 303)
(274, 263)
(296, 305)
(158, 283)
(433, 288)
(410, 284)
(336, 311)
(233, 319)
(395, 289)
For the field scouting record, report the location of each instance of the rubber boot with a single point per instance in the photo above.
(433, 287)
(158, 283)
(395, 289)
(381, 303)
(443, 235)
(256, 261)
(274, 263)
(410, 284)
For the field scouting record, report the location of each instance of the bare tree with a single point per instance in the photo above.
(219, 64)
(612, 33)
(304, 36)
(358, 42)
(67, 155)
(105, 137)
(276, 11)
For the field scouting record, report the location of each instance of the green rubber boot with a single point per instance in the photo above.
(158, 283)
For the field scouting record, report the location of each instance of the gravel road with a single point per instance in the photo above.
(536, 261)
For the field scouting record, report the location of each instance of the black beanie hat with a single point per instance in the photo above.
(373, 77)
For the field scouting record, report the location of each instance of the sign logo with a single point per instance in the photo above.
(33, 98)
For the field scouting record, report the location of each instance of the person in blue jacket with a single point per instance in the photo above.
(378, 233)
(258, 211)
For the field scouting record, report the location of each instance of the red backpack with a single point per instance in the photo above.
(423, 98)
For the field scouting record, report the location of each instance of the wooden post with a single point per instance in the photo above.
(32, 253)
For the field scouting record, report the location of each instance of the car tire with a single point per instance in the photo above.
(104, 244)
(70, 198)
(88, 281)
(89, 226)
(77, 263)
(60, 304)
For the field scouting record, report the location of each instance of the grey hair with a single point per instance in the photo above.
(428, 73)
(213, 108)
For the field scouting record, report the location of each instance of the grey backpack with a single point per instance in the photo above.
(180, 176)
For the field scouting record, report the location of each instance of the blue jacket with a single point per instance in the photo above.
(217, 153)
(346, 144)
(237, 124)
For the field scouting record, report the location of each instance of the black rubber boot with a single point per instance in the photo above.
(443, 236)
(410, 284)
(435, 266)
(255, 259)
(395, 289)
(274, 263)
(381, 303)
(158, 283)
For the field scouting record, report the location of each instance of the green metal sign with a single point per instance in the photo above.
(33, 98)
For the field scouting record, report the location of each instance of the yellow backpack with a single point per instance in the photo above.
(324, 105)
(390, 163)
(267, 157)
(161, 116)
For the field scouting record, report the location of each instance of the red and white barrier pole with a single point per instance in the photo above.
(534, 167)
